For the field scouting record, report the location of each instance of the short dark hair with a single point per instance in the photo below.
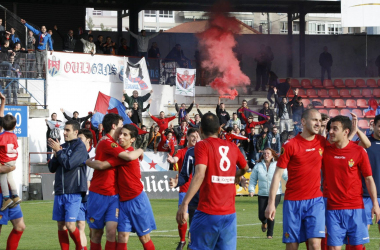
(344, 120)
(76, 112)
(90, 36)
(86, 132)
(192, 130)
(133, 132)
(108, 37)
(299, 98)
(168, 131)
(210, 124)
(245, 101)
(9, 122)
(377, 118)
(52, 114)
(229, 129)
(109, 120)
(324, 116)
(143, 126)
(307, 112)
(234, 113)
(266, 103)
(74, 124)
(99, 36)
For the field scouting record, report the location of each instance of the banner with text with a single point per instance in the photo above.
(185, 82)
(136, 75)
(153, 162)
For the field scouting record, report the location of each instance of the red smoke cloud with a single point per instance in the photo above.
(216, 44)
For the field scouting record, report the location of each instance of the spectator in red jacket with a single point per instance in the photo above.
(94, 141)
(166, 144)
(249, 122)
(162, 122)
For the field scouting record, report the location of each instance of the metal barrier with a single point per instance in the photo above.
(36, 163)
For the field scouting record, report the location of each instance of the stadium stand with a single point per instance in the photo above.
(305, 83)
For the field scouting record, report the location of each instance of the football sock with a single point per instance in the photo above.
(182, 231)
(324, 243)
(95, 246)
(14, 239)
(121, 246)
(149, 245)
(307, 245)
(63, 238)
(357, 247)
(110, 245)
(76, 238)
(84, 248)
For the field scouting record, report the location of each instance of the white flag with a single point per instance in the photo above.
(136, 75)
(185, 82)
(360, 13)
(154, 162)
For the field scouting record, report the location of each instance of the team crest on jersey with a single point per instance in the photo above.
(286, 235)
(113, 145)
(351, 163)
(92, 220)
(320, 152)
(117, 213)
(282, 150)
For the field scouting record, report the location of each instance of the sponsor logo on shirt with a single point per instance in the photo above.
(351, 162)
(310, 149)
(339, 157)
(113, 145)
(223, 179)
(320, 152)
(282, 150)
(286, 235)
(117, 213)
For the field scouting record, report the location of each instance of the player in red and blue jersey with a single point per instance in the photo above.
(303, 209)
(344, 162)
(214, 222)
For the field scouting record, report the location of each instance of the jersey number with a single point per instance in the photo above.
(223, 151)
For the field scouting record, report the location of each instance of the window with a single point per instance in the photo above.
(321, 28)
(351, 30)
(96, 12)
(166, 14)
(296, 26)
(284, 27)
(248, 22)
(149, 13)
(150, 29)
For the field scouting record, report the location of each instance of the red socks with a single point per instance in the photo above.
(149, 245)
(63, 238)
(357, 247)
(95, 246)
(121, 246)
(84, 248)
(76, 238)
(14, 239)
(182, 229)
(110, 245)
(324, 243)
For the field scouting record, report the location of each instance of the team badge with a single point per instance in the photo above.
(113, 145)
(282, 150)
(351, 163)
(320, 152)
(53, 66)
(117, 213)
(286, 235)
(1, 216)
(92, 220)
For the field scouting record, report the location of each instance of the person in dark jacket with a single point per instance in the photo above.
(325, 60)
(284, 110)
(297, 110)
(70, 181)
(142, 140)
(182, 111)
(68, 39)
(283, 88)
(99, 45)
(136, 116)
(262, 68)
(273, 82)
(124, 50)
(136, 98)
(268, 112)
(261, 144)
(76, 118)
(222, 114)
(154, 51)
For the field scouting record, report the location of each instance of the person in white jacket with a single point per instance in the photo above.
(263, 173)
(89, 45)
(143, 42)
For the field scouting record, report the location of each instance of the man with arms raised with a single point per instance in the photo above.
(303, 209)
(214, 222)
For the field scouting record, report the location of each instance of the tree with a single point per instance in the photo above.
(102, 28)
(90, 23)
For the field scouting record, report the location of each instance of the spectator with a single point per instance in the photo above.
(177, 55)
(12, 89)
(13, 36)
(222, 114)
(181, 133)
(162, 122)
(100, 132)
(297, 110)
(136, 116)
(55, 135)
(76, 118)
(68, 39)
(262, 68)
(50, 32)
(4, 63)
(283, 88)
(250, 123)
(252, 152)
(136, 98)
(243, 109)
(31, 41)
(94, 141)
(274, 140)
(7, 37)
(270, 58)
(89, 45)
(2, 29)
(325, 60)
(323, 130)
(197, 121)
(268, 112)
(182, 111)
(142, 140)
(154, 138)
(109, 47)
(234, 121)
(143, 42)
(263, 174)
(273, 83)
(124, 50)
(240, 143)
(44, 39)
(167, 143)
(17, 53)
(99, 45)
(261, 144)
(31, 57)
(284, 110)
(154, 51)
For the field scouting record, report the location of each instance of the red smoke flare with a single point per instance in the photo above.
(216, 44)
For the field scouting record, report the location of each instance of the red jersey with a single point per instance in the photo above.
(217, 192)
(232, 136)
(303, 159)
(183, 138)
(162, 123)
(104, 181)
(166, 146)
(342, 170)
(250, 125)
(8, 147)
(128, 177)
(181, 156)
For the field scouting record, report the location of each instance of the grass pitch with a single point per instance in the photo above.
(41, 230)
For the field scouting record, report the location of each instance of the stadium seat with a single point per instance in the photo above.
(356, 93)
(371, 83)
(338, 83)
(345, 93)
(360, 83)
(333, 93)
(333, 112)
(305, 102)
(294, 83)
(305, 83)
(339, 103)
(302, 93)
(358, 113)
(323, 111)
(376, 93)
(345, 112)
(282, 79)
(349, 83)
(290, 93)
(368, 116)
(366, 93)
(362, 103)
(323, 93)
(363, 124)
(378, 82)
(328, 103)
(317, 83)
(351, 103)
(316, 106)
(312, 93)
(328, 84)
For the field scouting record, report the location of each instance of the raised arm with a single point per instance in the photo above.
(2, 105)
(37, 32)
(364, 141)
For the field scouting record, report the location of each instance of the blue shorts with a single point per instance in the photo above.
(180, 196)
(368, 209)
(10, 213)
(101, 209)
(136, 216)
(213, 231)
(66, 207)
(347, 223)
(303, 220)
(82, 212)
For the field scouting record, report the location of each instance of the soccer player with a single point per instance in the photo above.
(303, 209)
(344, 163)
(69, 187)
(103, 199)
(214, 222)
(136, 214)
(191, 137)
(162, 122)
(86, 136)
